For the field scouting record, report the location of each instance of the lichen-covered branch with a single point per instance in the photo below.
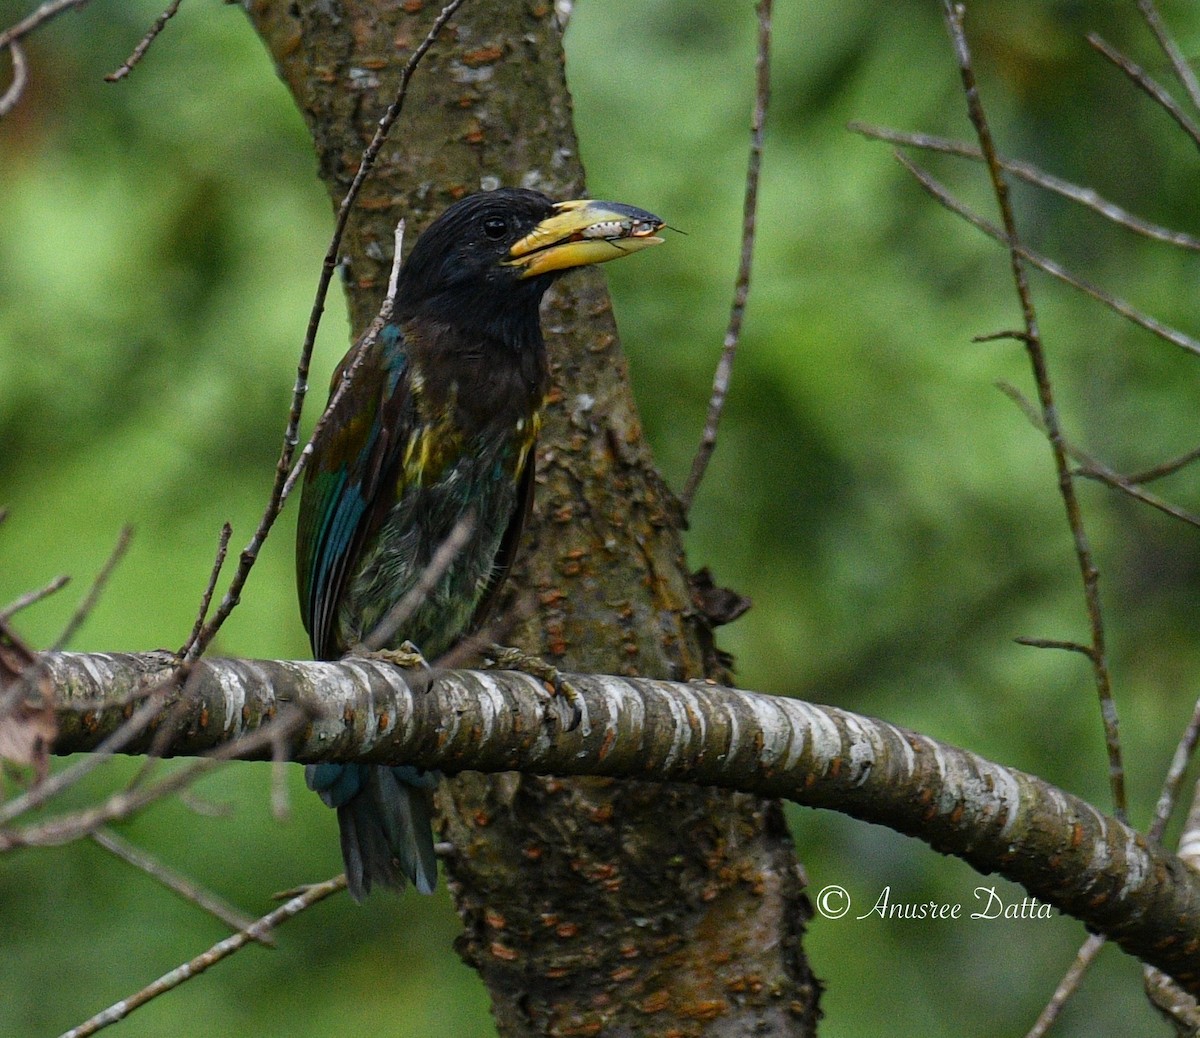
(1060, 848)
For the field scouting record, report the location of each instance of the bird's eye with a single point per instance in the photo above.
(495, 227)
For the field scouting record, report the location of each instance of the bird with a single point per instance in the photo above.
(434, 434)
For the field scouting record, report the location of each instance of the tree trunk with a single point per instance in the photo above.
(590, 906)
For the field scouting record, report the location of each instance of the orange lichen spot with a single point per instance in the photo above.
(606, 744)
(456, 191)
(956, 815)
(549, 919)
(494, 919)
(554, 973)
(482, 819)
(710, 893)
(90, 722)
(706, 1009)
(245, 714)
(583, 1029)
(533, 853)
(413, 6)
(835, 767)
(566, 930)
(564, 514)
(656, 1002)
(622, 974)
(348, 715)
(382, 724)
(797, 1008)
(374, 64)
(483, 56)
(629, 950)
(204, 717)
(602, 814)
(600, 873)
(503, 951)
(555, 395)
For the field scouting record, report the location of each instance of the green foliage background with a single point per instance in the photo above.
(893, 516)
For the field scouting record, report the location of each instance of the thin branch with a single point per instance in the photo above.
(33, 597)
(1088, 571)
(741, 291)
(1061, 849)
(85, 607)
(48, 10)
(445, 554)
(174, 881)
(139, 51)
(206, 598)
(20, 77)
(1174, 777)
(1031, 174)
(365, 342)
(1183, 68)
(249, 554)
(1093, 468)
(126, 803)
(1130, 313)
(1143, 81)
(1055, 643)
(258, 931)
(1167, 468)
(1067, 986)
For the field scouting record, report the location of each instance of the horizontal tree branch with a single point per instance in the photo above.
(1057, 846)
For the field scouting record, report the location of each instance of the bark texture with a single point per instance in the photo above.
(589, 906)
(1061, 849)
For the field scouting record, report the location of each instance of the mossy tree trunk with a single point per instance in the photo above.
(590, 906)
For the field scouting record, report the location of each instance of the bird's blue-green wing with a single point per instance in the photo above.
(344, 481)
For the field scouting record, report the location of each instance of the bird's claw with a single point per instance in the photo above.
(506, 657)
(407, 656)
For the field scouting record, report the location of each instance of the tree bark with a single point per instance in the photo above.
(1061, 849)
(589, 906)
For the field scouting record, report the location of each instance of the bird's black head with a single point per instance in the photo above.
(483, 265)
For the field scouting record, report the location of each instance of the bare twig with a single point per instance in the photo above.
(445, 554)
(221, 950)
(1175, 772)
(33, 597)
(1167, 468)
(1056, 643)
(741, 291)
(1181, 65)
(1092, 468)
(1089, 573)
(1130, 313)
(175, 881)
(249, 554)
(1143, 81)
(364, 343)
(1066, 987)
(209, 588)
(1031, 174)
(139, 51)
(85, 607)
(127, 802)
(20, 76)
(48, 10)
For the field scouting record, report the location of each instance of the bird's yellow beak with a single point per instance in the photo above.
(581, 232)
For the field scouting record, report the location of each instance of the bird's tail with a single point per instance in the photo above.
(383, 815)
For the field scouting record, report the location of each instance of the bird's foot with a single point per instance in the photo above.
(407, 657)
(506, 657)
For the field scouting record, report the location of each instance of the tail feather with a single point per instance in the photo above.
(383, 817)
